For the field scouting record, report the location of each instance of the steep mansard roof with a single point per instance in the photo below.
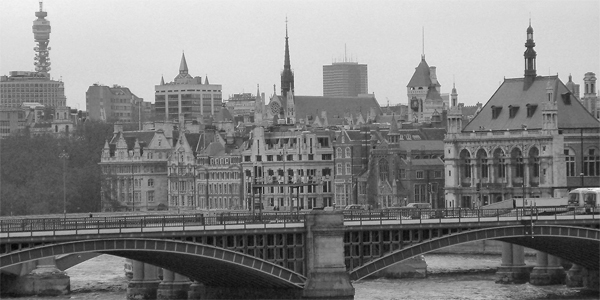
(511, 95)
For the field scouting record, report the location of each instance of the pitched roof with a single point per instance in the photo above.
(427, 162)
(421, 145)
(335, 106)
(571, 113)
(421, 76)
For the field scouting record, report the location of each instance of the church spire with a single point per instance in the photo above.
(183, 68)
(530, 56)
(287, 76)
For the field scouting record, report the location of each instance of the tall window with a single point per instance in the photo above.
(383, 170)
(339, 168)
(338, 152)
(420, 193)
(348, 168)
(150, 196)
(570, 162)
(348, 152)
(519, 167)
(591, 163)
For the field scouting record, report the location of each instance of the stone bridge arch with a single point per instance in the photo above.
(579, 245)
(210, 265)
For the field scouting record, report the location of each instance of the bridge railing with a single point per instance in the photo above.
(119, 223)
(472, 215)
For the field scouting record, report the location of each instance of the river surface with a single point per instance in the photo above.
(451, 277)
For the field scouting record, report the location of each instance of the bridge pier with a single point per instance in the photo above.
(575, 276)
(144, 283)
(548, 270)
(45, 280)
(327, 277)
(173, 286)
(513, 268)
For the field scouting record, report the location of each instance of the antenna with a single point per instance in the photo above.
(423, 41)
(41, 4)
(345, 60)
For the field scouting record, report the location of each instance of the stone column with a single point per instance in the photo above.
(144, 283)
(548, 270)
(326, 271)
(196, 290)
(45, 280)
(173, 286)
(575, 276)
(513, 268)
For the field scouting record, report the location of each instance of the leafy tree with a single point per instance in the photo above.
(31, 171)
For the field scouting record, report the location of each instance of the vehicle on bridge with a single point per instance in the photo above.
(584, 197)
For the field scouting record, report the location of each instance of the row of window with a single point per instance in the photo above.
(591, 163)
(288, 157)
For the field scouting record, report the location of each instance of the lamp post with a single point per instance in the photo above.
(64, 156)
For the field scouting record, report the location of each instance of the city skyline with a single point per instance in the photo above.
(241, 44)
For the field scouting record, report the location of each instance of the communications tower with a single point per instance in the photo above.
(41, 34)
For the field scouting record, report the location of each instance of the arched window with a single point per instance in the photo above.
(338, 152)
(483, 163)
(500, 159)
(339, 169)
(534, 162)
(591, 162)
(383, 170)
(348, 169)
(348, 152)
(517, 157)
(465, 158)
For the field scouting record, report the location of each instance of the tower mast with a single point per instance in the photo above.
(41, 34)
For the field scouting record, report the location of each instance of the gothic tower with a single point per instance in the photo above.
(41, 35)
(287, 76)
(530, 55)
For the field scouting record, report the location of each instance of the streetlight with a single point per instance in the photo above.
(64, 156)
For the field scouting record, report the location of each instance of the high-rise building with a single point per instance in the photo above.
(25, 86)
(345, 79)
(116, 103)
(186, 96)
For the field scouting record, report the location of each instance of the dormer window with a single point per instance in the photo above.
(566, 97)
(496, 111)
(512, 111)
(531, 109)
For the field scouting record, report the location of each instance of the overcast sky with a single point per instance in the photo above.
(240, 44)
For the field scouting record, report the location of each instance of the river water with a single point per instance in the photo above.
(451, 277)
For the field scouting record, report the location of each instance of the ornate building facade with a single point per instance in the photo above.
(532, 139)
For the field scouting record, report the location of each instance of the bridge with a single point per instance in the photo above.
(293, 255)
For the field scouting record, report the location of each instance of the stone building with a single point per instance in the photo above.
(285, 168)
(533, 138)
(186, 96)
(204, 172)
(116, 103)
(134, 167)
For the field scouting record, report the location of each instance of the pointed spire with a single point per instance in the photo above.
(183, 68)
(530, 57)
(162, 80)
(206, 79)
(287, 76)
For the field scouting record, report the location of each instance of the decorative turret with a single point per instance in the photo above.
(530, 56)
(589, 82)
(453, 96)
(41, 34)
(287, 76)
